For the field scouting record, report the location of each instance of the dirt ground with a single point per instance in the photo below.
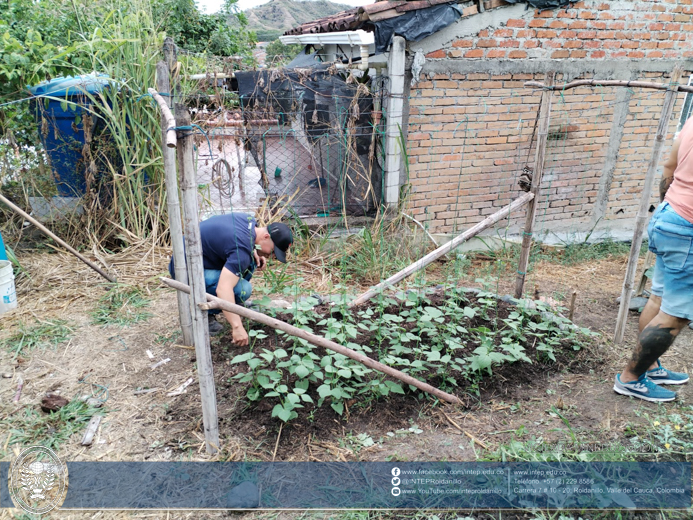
(153, 426)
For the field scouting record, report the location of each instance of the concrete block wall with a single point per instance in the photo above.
(471, 117)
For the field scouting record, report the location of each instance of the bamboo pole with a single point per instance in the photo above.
(539, 155)
(643, 214)
(47, 232)
(193, 250)
(608, 83)
(168, 124)
(444, 249)
(170, 52)
(218, 303)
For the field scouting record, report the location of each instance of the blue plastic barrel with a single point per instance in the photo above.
(3, 253)
(63, 139)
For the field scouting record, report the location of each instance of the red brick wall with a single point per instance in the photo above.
(589, 29)
(469, 133)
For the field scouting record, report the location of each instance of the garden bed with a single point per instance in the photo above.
(472, 345)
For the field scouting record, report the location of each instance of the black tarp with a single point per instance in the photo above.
(543, 4)
(415, 25)
(304, 60)
(319, 150)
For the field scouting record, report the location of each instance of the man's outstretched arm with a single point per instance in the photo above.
(227, 282)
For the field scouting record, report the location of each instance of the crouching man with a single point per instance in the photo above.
(232, 248)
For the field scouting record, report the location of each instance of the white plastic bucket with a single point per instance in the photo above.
(8, 296)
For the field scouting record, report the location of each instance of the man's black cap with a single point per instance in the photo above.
(282, 238)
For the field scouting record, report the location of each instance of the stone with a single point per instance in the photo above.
(53, 402)
(509, 299)
(244, 496)
(92, 401)
(280, 304)
(637, 303)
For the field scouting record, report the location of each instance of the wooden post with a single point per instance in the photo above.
(643, 214)
(172, 201)
(218, 303)
(170, 53)
(539, 155)
(572, 304)
(52, 235)
(193, 251)
(444, 249)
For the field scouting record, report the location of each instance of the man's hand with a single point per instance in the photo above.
(227, 282)
(260, 261)
(239, 335)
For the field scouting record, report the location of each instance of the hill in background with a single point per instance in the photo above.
(271, 20)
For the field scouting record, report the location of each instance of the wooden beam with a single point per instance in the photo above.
(444, 249)
(643, 214)
(193, 251)
(539, 155)
(608, 83)
(52, 235)
(218, 303)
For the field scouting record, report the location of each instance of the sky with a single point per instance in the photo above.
(212, 6)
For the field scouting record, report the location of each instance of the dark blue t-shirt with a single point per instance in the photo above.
(229, 241)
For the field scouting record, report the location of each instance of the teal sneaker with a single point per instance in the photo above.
(643, 388)
(662, 376)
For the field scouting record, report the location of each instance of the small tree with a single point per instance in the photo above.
(279, 54)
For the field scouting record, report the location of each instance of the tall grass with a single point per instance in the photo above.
(126, 46)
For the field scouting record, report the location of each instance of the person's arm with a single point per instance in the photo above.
(260, 261)
(227, 282)
(668, 171)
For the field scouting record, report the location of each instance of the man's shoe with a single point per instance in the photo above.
(643, 388)
(215, 327)
(662, 376)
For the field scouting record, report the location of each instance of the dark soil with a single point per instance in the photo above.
(253, 420)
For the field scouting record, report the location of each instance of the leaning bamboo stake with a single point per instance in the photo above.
(175, 225)
(444, 249)
(539, 155)
(218, 303)
(643, 214)
(168, 122)
(47, 232)
(608, 83)
(193, 249)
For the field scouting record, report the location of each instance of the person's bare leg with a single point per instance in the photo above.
(647, 315)
(655, 339)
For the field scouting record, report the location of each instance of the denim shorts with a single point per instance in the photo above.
(671, 239)
(241, 292)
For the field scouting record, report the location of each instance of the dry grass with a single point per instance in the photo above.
(52, 284)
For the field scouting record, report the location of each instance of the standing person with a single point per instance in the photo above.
(670, 307)
(232, 248)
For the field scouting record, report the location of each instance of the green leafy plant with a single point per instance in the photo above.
(455, 339)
